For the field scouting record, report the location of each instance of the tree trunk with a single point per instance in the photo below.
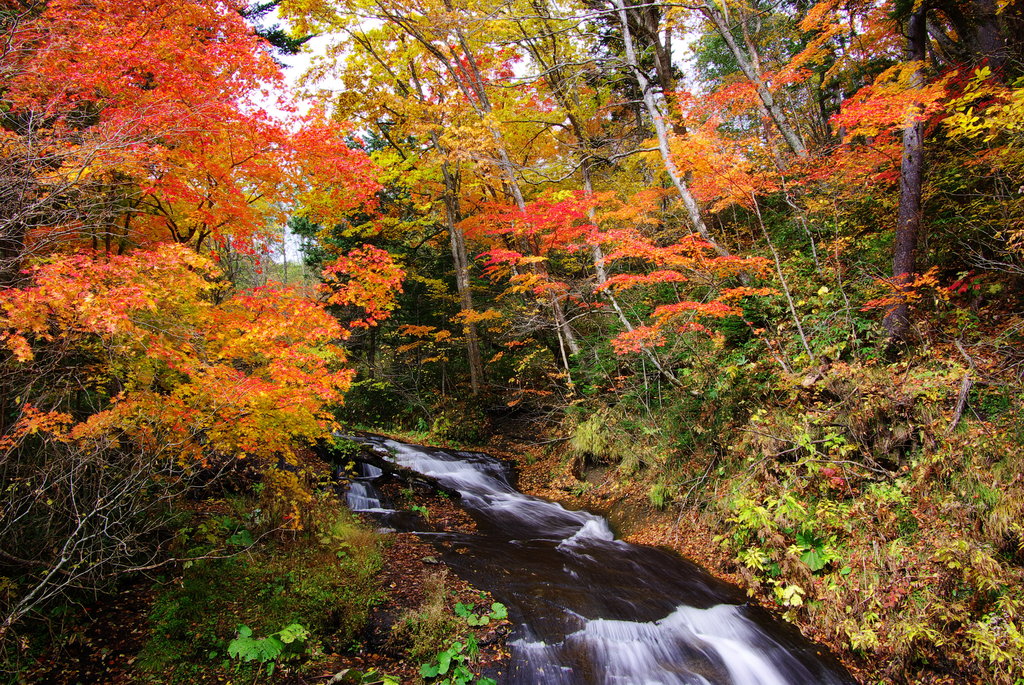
(908, 221)
(597, 255)
(461, 259)
(658, 118)
(751, 69)
(987, 40)
(468, 67)
(371, 354)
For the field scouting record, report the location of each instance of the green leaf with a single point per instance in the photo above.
(814, 559)
(272, 648)
(428, 670)
(242, 538)
(472, 646)
(499, 611)
(444, 660)
(244, 631)
(806, 539)
(292, 633)
(462, 610)
(239, 649)
(486, 681)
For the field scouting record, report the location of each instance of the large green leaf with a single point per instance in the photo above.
(815, 559)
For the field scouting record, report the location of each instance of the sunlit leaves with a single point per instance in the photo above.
(164, 123)
(892, 101)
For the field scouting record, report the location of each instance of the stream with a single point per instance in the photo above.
(588, 608)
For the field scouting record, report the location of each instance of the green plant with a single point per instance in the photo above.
(343, 449)
(373, 403)
(345, 536)
(461, 423)
(287, 643)
(271, 584)
(432, 626)
(351, 676)
(579, 489)
(498, 612)
(451, 666)
(659, 495)
(814, 551)
(614, 436)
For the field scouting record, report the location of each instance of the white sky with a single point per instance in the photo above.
(295, 67)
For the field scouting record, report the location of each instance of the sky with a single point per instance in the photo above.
(294, 67)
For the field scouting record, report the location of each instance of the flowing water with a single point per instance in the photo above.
(588, 608)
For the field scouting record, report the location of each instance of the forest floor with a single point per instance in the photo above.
(108, 636)
(409, 565)
(410, 568)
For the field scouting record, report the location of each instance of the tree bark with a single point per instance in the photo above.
(908, 221)
(986, 39)
(461, 258)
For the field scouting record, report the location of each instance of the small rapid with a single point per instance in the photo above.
(590, 609)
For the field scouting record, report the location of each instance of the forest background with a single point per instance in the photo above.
(781, 288)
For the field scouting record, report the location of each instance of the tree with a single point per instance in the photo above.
(131, 370)
(908, 219)
(749, 61)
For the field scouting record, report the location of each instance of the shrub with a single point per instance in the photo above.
(460, 423)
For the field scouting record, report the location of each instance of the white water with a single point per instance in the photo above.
(719, 643)
(592, 609)
(361, 496)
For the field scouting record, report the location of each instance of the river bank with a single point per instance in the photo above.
(411, 565)
(688, 532)
(585, 603)
(373, 604)
(888, 595)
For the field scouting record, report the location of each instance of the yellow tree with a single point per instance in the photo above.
(448, 89)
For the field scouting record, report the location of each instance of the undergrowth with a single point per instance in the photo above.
(440, 636)
(318, 583)
(853, 495)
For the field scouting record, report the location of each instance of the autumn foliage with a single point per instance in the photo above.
(798, 254)
(138, 151)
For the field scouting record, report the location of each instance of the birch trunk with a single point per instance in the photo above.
(751, 69)
(461, 259)
(658, 118)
